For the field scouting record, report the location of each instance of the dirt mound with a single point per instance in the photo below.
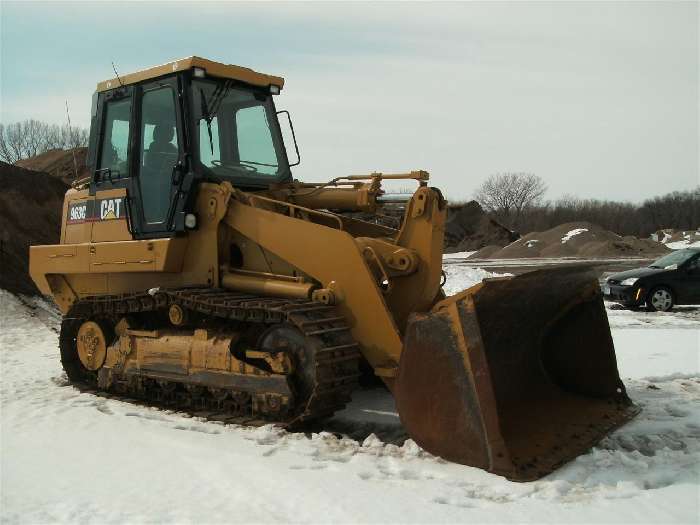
(30, 213)
(469, 228)
(59, 163)
(578, 239)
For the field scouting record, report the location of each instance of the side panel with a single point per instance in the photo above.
(110, 221)
(99, 218)
(76, 226)
(70, 271)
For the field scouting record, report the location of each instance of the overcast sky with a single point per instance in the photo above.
(599, 99)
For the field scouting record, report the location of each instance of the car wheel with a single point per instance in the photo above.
(660, 299)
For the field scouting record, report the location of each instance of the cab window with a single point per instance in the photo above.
(239, 138)
(255, 147)
(115, 141)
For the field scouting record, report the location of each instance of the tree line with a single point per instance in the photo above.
(22, 140)
(517, 201)
(514, 199)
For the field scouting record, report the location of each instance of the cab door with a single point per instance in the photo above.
(106, 209)
(159, 157)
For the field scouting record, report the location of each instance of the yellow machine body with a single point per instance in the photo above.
(275, 300)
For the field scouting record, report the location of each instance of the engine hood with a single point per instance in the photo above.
(637, 272)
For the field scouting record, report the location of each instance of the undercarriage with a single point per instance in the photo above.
(251, 360)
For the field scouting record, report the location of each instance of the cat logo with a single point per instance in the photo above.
(110, 209)
(96, 210)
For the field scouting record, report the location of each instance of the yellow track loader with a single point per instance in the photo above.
(194, 272)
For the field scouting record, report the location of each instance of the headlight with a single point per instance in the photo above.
(630, 281)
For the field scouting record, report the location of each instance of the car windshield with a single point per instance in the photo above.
(238, 133)
(673, 259)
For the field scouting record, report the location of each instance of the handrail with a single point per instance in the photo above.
(302, 208)
(81, 183)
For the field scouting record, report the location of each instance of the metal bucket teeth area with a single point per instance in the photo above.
(516, 376)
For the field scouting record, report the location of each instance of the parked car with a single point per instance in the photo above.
(673, 279)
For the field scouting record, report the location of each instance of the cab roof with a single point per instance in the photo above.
(213, 69)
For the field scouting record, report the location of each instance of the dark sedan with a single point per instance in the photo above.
(673, 279)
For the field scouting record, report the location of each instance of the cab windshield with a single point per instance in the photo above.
(673, 259)
(239, 138)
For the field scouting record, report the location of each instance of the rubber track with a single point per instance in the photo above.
(337, 358)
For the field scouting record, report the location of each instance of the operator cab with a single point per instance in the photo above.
(155, 133)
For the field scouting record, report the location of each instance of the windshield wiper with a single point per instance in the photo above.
(207, 117)
(209, 110)
(258, 163)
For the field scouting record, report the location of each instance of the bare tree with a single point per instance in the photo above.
(12, 142)
(508, 195)
(22, 140)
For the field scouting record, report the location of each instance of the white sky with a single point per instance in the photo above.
(600, 99)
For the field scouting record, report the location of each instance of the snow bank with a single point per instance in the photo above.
(677, 239)
(679, 245)
(462, 277)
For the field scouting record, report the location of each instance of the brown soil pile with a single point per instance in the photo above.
(59, 163)
(468, 228)
(577, 239)
(30, 213)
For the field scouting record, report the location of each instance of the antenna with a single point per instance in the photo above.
(70, 136)
(115, 72)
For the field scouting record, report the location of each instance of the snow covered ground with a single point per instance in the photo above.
(461, 276)
(73, 457)
(680, 245)
(679, 317)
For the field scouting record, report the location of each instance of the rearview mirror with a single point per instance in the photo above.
(286, 134)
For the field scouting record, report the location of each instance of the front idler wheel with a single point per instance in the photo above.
(83, 344)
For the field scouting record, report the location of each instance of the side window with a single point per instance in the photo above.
(115, 141)
(209, 150)
(159, 152)
(255, 145)
(694, 265)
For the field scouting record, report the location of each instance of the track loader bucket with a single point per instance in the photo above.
(514, 375)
